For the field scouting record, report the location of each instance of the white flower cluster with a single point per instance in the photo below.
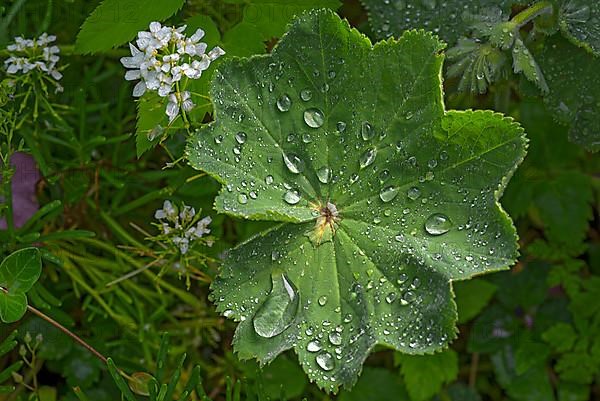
(26, 55)
(163, 57)
(182, 226)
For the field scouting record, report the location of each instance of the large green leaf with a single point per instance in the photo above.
(18, 273)
(329, 121)
(115, 22)
(450, 19)
(574, 96)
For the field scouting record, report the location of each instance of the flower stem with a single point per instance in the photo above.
(530, 13)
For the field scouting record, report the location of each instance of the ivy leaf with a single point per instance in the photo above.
(441, 368)
(450, 19)
(383, 197)
(580, 22)
(573, 96)
(115, 22)
(18, 273)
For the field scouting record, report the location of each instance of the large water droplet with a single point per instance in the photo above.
(294, 163)
(324, 175)
(325, 361)
(243, 198)
(388, 194)
(366, 131)
(438, 224)
(279, 309)
(284, 103)
(335, 338)
(314, 117)
(292, 197)
(368, 157)
(313, 346)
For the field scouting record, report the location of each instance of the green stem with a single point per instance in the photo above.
(530, 13)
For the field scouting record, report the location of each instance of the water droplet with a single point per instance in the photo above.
(219, 139)
(314, 117)
(438, 224)
(243, 198)
(341, 126)
(325, 361)
(322, 300)
(306, 95)
(335, 338)
(284, 103)
(324, 175)
(279, 309)
(269, 179)
(292, 197)
(391, 297)
(347, 318)
(313, 346)
(413, 193)
(306, 138)
(368, 157)
(384, 176)
(293, 163)
(388, 194)
(366, 131)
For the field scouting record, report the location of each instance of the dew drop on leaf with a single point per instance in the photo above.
(314, 117)
(292, 197)
(335, 338)
(391, 297)
(243, 198)
(313, 346)
(241, 137)
(293, 163)
(279, 309)
(284, 103)
(388, 194)
(325, 361)
(413, 193)
(368, 157)
(341, 126)
(306, 95)
(438, 224)
(269, 179)
(366, 131)
(324, 175)
(322, 300)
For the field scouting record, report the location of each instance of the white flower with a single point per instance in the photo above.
(187, 214)
(183, 244)
(161, 57)
(202, 227)
(27, 55)
(179, 101)
(168, 212)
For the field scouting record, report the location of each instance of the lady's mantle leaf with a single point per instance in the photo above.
(383, 197)
(580, 22)
(574, 95)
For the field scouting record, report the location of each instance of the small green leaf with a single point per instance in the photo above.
(376, 384)
(561, 337)
(524, 62)
(424, 375)
(529, 354)
(20, 270)
(12, 307)
(115, 22)
(382, 196)
(580, 22)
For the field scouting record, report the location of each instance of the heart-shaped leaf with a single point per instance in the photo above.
(18, 273)
(383, 197)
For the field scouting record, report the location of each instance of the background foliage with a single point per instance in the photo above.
(531, 333)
